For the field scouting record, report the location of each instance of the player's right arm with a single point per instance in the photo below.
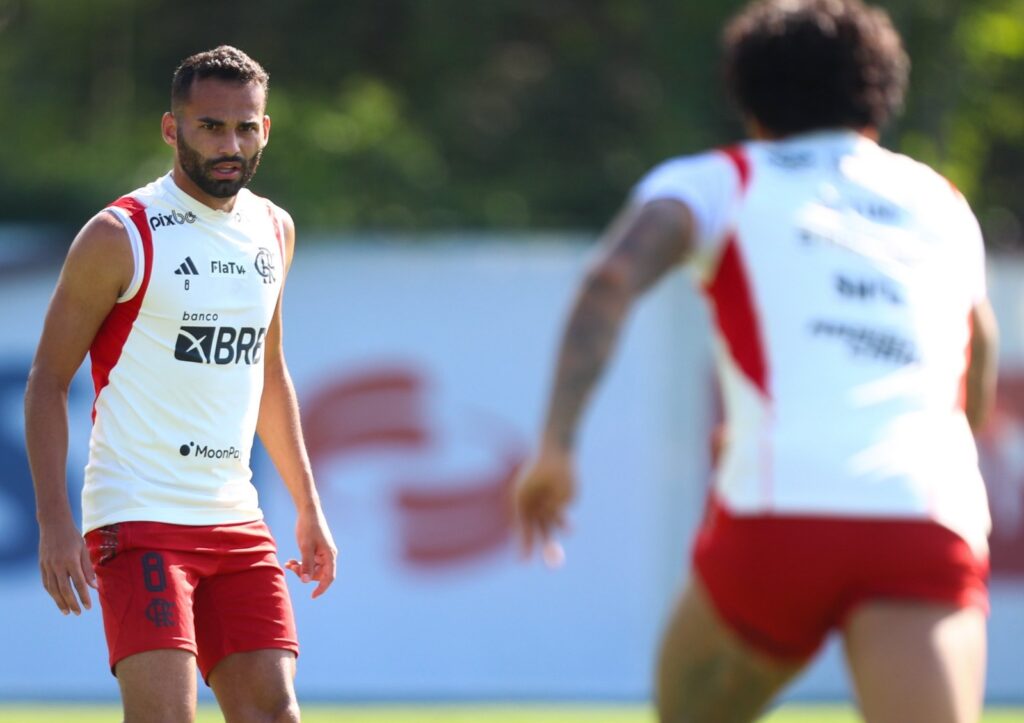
(642, 244)
(982, 369)
(980, 382)
(97, 270)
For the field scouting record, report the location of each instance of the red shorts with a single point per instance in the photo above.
(783, 582)
(211, 590)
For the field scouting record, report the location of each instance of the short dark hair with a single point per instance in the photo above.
(802, 65)
(223, 62)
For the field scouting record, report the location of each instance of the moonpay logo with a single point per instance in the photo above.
(205, 451)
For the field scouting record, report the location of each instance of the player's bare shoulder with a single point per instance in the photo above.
(284, 225)
(288, 227)
(102, 252)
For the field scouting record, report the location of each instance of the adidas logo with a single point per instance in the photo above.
(187, 268)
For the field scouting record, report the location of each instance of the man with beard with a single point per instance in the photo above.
(174, 290)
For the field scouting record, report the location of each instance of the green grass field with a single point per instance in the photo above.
(459, 714)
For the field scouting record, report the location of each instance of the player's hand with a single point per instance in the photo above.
(543, 491)
(65, 566)
(319, 553)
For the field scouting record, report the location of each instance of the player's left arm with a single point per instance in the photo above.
(982, 370)
(280, 430)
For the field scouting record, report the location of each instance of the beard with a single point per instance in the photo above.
(199, 170)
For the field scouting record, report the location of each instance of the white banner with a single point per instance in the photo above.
(421, 370)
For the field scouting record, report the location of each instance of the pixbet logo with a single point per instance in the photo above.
(207, 452)
(174, 218)
(220, 345)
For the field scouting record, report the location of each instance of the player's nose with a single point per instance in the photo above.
(231, 144)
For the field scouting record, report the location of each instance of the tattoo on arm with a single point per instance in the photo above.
(586, 346)
(642, 246)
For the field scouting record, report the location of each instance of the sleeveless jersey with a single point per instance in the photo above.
(841, 279)
(178, 363)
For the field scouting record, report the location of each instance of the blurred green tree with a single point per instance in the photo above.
(405, 115)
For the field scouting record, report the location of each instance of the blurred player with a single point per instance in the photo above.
(175, 292)
(856, 352)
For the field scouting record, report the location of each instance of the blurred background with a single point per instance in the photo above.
(449, 164)
(417, 116)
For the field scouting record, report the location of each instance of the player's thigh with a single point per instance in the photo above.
(707, 674)
(917, 662)
(158, 686)
(256, 686)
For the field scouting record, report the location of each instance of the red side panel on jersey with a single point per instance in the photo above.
(110, 340)
(736, 316)
(732, 299)
(738, 156)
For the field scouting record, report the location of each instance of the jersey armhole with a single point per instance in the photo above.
(138, 255)
(279, 231)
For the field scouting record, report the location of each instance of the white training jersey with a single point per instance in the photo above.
(178, 363)
(841, 278)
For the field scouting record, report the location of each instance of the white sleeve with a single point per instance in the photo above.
(708, 184)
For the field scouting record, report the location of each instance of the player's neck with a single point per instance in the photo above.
(761, 133)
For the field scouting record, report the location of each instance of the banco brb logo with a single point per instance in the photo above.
(220, 345)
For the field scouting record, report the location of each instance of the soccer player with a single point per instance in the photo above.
(855, 349)
(174, 290)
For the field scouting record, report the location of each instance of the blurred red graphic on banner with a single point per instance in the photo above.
(456, 506)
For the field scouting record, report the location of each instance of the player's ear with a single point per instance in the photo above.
(169, 129)
(266, 129)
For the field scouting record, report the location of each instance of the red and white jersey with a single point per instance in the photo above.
(178, 363)
(841, 278)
